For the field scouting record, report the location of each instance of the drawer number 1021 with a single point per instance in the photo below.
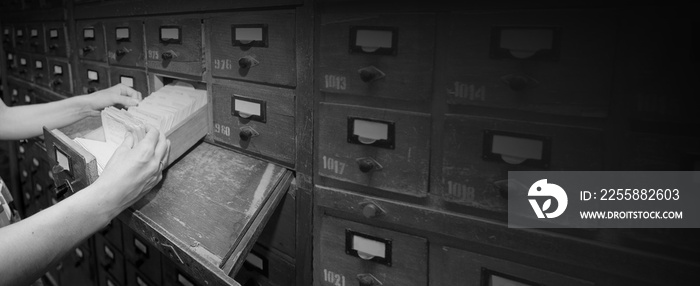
(334, 278)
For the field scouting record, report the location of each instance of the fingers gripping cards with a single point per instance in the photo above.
(163, 109)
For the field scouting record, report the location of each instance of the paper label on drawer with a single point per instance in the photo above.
(514, 150)
(127, 80)
(169, 33)
(63, 160)
(93, 75)
(140, 246)
(20, 33)
(57, 70)
(53, 33)
(374, 39)
(34, 33)
(10, 56)
(122, 33)
(183, 280)
(500, 281)
(368, 248)
(38, 64)
(371, 130)
(523, 43)
(140, 281)
(249, 34)
(109, 252)
(23, 61)
(88, 34)
(247, 107)
(6, 32)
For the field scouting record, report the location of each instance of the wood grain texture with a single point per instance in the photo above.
(135, 56)
(277, 61)
(404, 168)
(409, 264)
(408, 74)
(470, 180)
(276, 137)
(188, 53)
(207, 203)
(577, 83)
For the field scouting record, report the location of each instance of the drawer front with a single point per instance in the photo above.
(174, 276)
(92, 78)
(25, 69)
(451, 266)
(21, 37)
(245, 110)
(264, 267)
(137, 278)
(379, 148)
(350, 252)
(125, 45)
(91, 40)
(35, 38)
(40, 70)
(384, 55)
(542, 61)
(174, 44)
(110, 259)
(280, 231)
(107, 279)
(479, 152)
(131, 77)
(60, 79)
(12, 62)
(113, 233)
(8, 37)
(142, 256)
(80, 264)
(56, 39)
(255, 46)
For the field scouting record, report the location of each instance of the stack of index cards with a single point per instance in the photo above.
(163, 109)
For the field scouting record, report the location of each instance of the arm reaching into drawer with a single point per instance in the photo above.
(26, 121)
(29, 247)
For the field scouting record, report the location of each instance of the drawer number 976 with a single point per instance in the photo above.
(334, 278)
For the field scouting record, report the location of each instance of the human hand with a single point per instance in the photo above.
(135, 168)
(117, 94)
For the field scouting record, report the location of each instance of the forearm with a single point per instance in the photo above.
(30, 246)
(26, 121)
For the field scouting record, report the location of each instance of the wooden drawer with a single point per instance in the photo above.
(138, 278)
(35, 37)
(91, 78)
(542, 61)
(142, 256)
(479, 152)
(11, 61)
(113, 233)
(91, 40)
(60, 79)
(56, 39)
(36, 42)
(110, 259)
(135, 78)
(25, 68)
(79, 265)
(174, 44)
(107, 279)
(254, 46)
(125, 45)
(378, 55)
(21, 37)
(40, 70)
(379, 148)
(280, 231)
(174, 276)
(256, 118)
(349, 252)
(451, 266)
(8, 37)
(264, 267)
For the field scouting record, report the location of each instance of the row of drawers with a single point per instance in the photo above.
(557, 62)
(53, 73)
(258, 119)
(39, 38)
(385, 152)
(251, 46)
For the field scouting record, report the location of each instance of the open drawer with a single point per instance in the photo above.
(208, 210)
